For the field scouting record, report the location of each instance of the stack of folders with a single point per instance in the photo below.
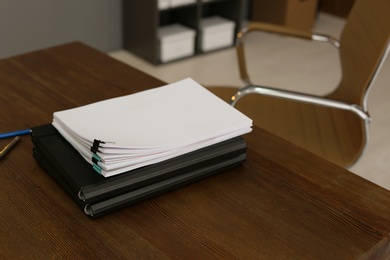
(116, 152)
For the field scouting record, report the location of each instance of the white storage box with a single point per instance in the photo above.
(176, 41)
(216, 32)
(163, 4)
(175, 3)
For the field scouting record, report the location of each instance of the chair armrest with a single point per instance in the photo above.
(283, 30)
(325, 38)
(272, 28)
(305, 98)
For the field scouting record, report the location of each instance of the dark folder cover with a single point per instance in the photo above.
(98, 195)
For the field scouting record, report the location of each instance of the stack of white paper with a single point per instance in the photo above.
(150, 126)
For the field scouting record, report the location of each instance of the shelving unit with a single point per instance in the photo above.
(143, 18)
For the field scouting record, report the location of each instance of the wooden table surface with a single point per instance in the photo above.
(283, 203)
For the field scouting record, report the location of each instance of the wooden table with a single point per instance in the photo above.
(283, 203)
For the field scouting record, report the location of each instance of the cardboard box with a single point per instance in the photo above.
(176, 41)
(216, 32)
(297, 14)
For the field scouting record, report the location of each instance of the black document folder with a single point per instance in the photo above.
(98, 195)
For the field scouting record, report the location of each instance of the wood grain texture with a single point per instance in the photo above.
(283, 203)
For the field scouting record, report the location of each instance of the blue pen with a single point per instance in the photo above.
(15, 133)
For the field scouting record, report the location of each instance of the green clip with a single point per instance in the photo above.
(97, 157)
(97, 168)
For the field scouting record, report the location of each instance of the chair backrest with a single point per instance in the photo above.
(364, 44)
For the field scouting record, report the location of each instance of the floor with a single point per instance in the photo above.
(275, 58)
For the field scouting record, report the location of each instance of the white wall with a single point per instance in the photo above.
(27, 25)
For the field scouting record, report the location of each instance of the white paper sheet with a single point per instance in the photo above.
(169, 120)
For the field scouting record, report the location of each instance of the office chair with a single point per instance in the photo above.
(334, 126)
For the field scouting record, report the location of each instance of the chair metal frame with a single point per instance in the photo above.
(250, 88)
